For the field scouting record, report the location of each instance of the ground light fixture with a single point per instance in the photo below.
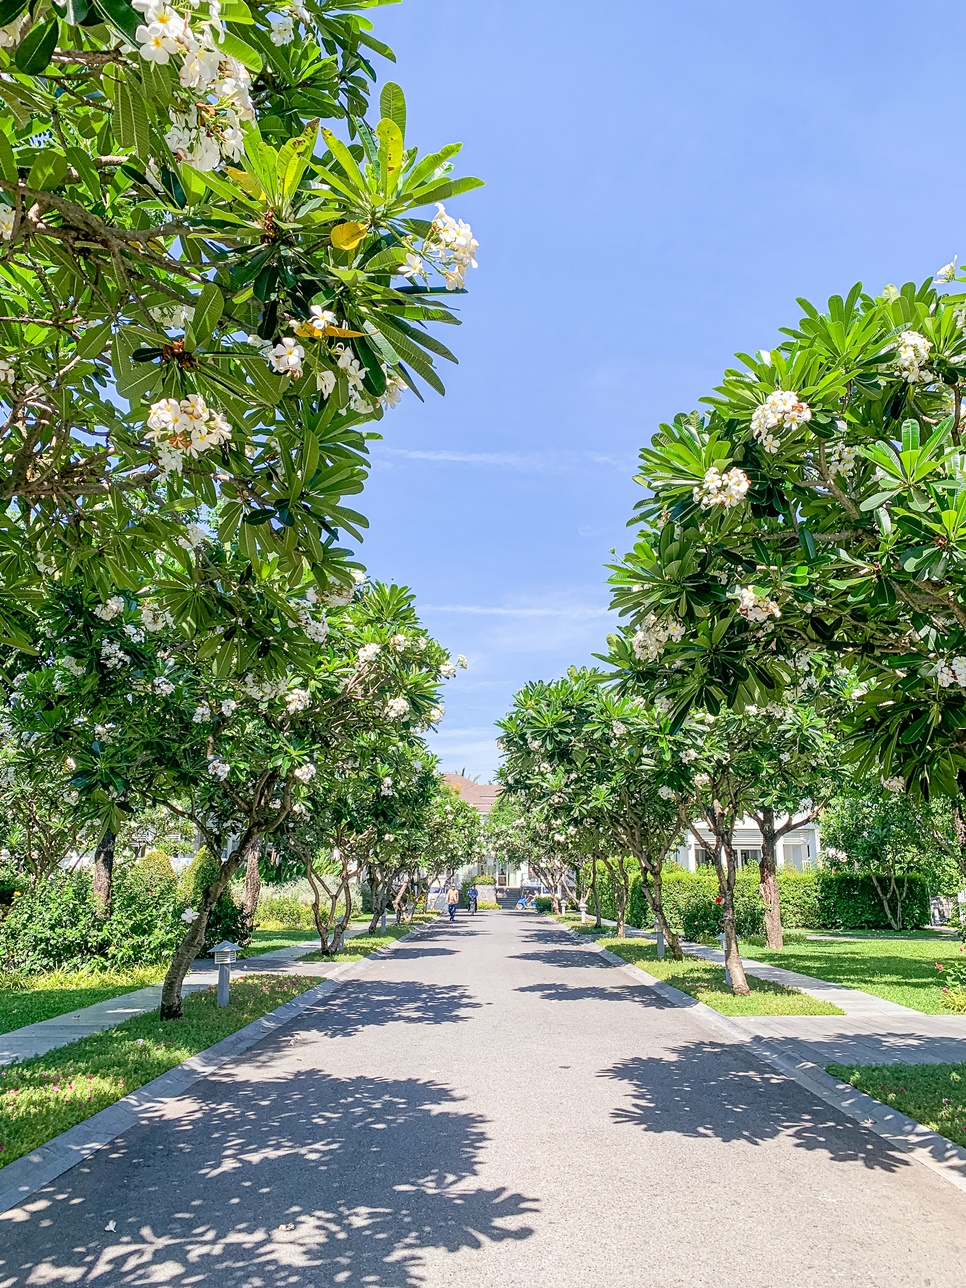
(224, 954)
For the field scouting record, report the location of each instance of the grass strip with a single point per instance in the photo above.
(361, 945)
(932, 1094)
(706, 982)
(270, 941)
(899, 970)
(44, 1096)
(27, 999)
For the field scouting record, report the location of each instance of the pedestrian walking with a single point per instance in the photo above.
(452, 899)
(473, 895)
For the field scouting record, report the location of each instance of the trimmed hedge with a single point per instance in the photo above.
(815, 900)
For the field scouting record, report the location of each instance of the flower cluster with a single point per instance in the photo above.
(894, 784)
(453, 241)
(726, 489)
(112, 655)
(754, 607)
(368, 653)
(665, 793)
(304, 773)
(842, 459)
(7, 220)
(912, 355)
(650, 641)
(186, 428)
(397, 708)
(154, 618)
(781, 410)
(263, 690)
(112, 608)
(218, 769)
(287, 357)
(952, 671)
(297, 700)
(215, 98)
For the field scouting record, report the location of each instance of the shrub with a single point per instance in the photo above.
(156, 866)
(850, 902)
(226, 919)
(283, 908)
(486, 878)
(543, 903)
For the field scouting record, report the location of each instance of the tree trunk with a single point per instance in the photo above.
(253, 888)
(187, 950)
(768, 880)
(884, 900)
(727, 872)
(593, 888)
(653, 893)
(959, 822)
(104, 873)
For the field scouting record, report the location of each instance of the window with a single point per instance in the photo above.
(701, 856)
(795, 853)
(750, 856)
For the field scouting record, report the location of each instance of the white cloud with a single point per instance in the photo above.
(541, 462)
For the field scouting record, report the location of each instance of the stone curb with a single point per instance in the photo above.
(940, 1155)
(25, 1176)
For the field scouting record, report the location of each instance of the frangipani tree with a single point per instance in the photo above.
(133, 715)
(606, 768)
(206, 293)
(820, 506)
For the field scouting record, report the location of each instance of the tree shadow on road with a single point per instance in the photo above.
(597, 993)
(322, 1180)
(718, 1090)
(567, 958)
(363, 1003)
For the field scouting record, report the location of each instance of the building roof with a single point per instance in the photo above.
(482, 795)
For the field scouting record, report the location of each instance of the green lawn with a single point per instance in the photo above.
(270, 941)
(42, 1097)
(362, 945)
(900, 969)
(933, 1094)
(25, 999)
(705, 981)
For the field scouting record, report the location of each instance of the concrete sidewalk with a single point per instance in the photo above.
(494, 1105)
(47, 1035)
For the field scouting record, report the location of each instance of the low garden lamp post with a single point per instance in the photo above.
(721, 941)
(659, 934)
(224, 954)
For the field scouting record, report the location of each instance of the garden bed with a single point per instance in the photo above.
(705, 982)
(932, 1094)
(44, 1096)
(28, 999)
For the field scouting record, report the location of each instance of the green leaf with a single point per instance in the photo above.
(233, 46)
(209, 307)
(8, 162)
(120, 15)
(11, 9)
(93, 340)
(133, 130)
(236, 11)
(48, 171)
(32, 55)
(392, 103)
(390, 154)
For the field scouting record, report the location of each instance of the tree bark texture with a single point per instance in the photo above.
(104, 873)
(253, 888)
(727, 871)
(768, 879)
(171, 999)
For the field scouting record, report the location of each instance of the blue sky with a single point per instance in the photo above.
(662, 182)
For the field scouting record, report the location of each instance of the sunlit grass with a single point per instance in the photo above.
(932, 1094)
(27, 999)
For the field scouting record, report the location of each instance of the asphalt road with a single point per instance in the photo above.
(493, 1105)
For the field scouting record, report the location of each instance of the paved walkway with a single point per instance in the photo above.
(493, 1105)
(46, 1035)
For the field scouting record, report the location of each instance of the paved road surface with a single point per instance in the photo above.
(494, 1105)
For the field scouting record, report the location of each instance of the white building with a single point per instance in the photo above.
(800, 849)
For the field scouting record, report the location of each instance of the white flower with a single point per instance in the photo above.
(665, 793)
(781, 409)
(912, 354)
(157, 44)
(189, 917)
(112, 656)
(946, 274)
(304, 773)
(134, 633)
(952, 671)
(702, 780)
(283, 30)
(447, 670)
(297, 700)
(413, 267)
(202, 714)
(70, 764)
(315, 628)
(162, 686)
(339, 596)
(397, 708)
(228, 706)
(194, 536)
(368, 653)
(461, 661)
(726, 489)
(218, 769)
(436, 714)
(456, 246)
(7, 219)
(155, 619)
(287, 356)
(73, 665)
(317, 324)
(754, 607)
(112, 608)
(358, 576)
(386, 788)
(897, 784)
(398, 642)
(649, 642)
(617, 729)
(842, 459)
